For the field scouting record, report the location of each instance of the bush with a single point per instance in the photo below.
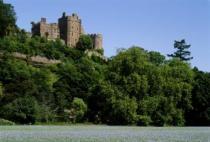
(77, 111)
(123, 110)
(6, 122)
(144, 120)
(21, 110)
(84, 43)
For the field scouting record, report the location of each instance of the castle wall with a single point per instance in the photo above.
(53, 31)
(50, 31)
(69, 29)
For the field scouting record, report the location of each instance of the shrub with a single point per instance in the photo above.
(6, 122)
(21, 110)
(77, 111)
(84, 43)
(144, 120)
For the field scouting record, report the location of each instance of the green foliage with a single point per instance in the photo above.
(21, 43)
(200, 114)
(6, 122)
(100, 51)
(7, 19)
(156, 58)
(137, 85)
(1, 90)
(181, 52)
(109, 105)
(99, 102)
(134, 87)
(161, 88)
(143, 120)
(130, 61)
(78, 110)
(84, 43)
(45, 114)
(22, 110)
(123, 110)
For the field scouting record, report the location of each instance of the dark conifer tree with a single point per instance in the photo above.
(182, 52)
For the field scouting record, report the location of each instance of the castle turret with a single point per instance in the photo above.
(97, 40)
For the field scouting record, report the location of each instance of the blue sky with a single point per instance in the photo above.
(151, 24)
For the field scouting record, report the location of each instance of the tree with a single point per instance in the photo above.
(156, 58)
(22, 110)
(99, 102)
(177, 87)
(135, 59)
(78, 110)
(182, 52)
(84, 43)
(7, 19)
(200, 114)
(123, 111)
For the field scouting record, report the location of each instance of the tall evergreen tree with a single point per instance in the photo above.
(182, 51)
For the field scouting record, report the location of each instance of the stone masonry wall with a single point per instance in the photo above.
(69, 29)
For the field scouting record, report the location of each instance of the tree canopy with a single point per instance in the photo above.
(7, 19)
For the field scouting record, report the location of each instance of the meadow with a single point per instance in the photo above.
(103, 134)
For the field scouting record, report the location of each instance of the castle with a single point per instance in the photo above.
(69, 29)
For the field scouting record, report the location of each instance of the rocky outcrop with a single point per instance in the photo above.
(35, 59)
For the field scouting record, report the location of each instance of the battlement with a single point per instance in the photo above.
(74, 16)
(68, 28)
(43, 20)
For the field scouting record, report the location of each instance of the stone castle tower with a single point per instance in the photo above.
(97, 40)
(68, 29)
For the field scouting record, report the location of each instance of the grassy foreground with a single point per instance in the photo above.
(103, 134)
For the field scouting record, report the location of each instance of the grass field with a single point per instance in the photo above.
(103, 134)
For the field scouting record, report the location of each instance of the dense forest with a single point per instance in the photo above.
(134, 87)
